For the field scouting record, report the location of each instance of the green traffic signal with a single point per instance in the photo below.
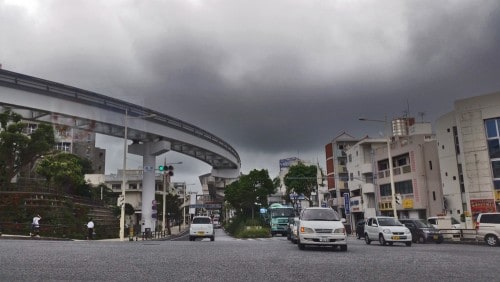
(161, 168)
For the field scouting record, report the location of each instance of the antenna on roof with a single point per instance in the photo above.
(421, 115)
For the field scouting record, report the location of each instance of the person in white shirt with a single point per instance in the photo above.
(90, 229)
(35, 225)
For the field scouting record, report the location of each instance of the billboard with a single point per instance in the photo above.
(482, 205)
(285, 163)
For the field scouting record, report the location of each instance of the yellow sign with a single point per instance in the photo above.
(408, 203)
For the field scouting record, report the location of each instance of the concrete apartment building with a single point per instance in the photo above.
(133, 189)
(78, 142)
(361, 166)
(416, 173)
(469, 155)
(336, 170)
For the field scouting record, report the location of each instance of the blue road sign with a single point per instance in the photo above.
(347, 203)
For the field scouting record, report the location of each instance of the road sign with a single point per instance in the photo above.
(347, 203)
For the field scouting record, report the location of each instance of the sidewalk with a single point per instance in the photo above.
(174, 230)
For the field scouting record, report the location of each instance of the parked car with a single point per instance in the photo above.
(422, 231)
(201, 227)
(448, 226)
(216, 223)
(292, 230)
(387, 230)
(488, 228)
(321, 227)
(360, 229)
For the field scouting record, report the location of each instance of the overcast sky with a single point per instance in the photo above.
(275, 79)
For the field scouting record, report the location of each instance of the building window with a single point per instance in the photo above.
(403, 187)
(493, 139)
(430, 165)
(63, 146)
(491, 128)
(385, 190)
(434, 195)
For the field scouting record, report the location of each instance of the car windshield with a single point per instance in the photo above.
(389, 222)
(201, 220)
(320, 214)
(284, 212)
(422, 224)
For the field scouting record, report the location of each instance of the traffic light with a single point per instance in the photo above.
(398, 199)
(168, 169)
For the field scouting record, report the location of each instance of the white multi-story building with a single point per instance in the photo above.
(361, 165)
(469, 155)
(133, 189)
(416, 176)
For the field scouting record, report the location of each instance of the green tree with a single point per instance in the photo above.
(301, 179)
(172, 209)
(67, 171)
(248, 190)
(19, 150)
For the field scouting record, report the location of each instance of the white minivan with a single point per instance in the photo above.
(488, 228)
(201, 227)
(321, 227)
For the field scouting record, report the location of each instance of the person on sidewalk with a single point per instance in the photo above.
(35, 226)
(90, 229)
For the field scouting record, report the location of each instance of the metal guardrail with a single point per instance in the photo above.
(454, 234)
(46, 87)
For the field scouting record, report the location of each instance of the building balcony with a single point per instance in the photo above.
(366, 168)
(368, 188)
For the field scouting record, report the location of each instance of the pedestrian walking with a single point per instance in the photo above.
(90, 229)
(35, 226)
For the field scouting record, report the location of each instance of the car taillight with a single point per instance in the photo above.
(302, 229)
(477, 226)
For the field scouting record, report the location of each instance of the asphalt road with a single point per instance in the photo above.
(229, 259)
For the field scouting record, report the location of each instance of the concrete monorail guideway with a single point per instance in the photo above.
(41, 100)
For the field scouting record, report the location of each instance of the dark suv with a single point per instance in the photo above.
(422, 231)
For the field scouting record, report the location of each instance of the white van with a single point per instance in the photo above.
(488, 228)
(321, 227)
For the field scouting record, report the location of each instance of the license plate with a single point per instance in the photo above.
(395, 237)
(324, 240)
(201, 233)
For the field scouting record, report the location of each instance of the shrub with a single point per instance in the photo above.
(254, 233)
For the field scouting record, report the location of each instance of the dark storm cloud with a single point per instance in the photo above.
(273, 78)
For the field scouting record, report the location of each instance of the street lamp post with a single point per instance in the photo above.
(186, 193)
(389, 156)
(124, 170)
(165, 177)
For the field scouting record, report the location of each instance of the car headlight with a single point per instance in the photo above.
(426, 231)
(407, 231)
(339, 230)
(306, 230)
(387, 231)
